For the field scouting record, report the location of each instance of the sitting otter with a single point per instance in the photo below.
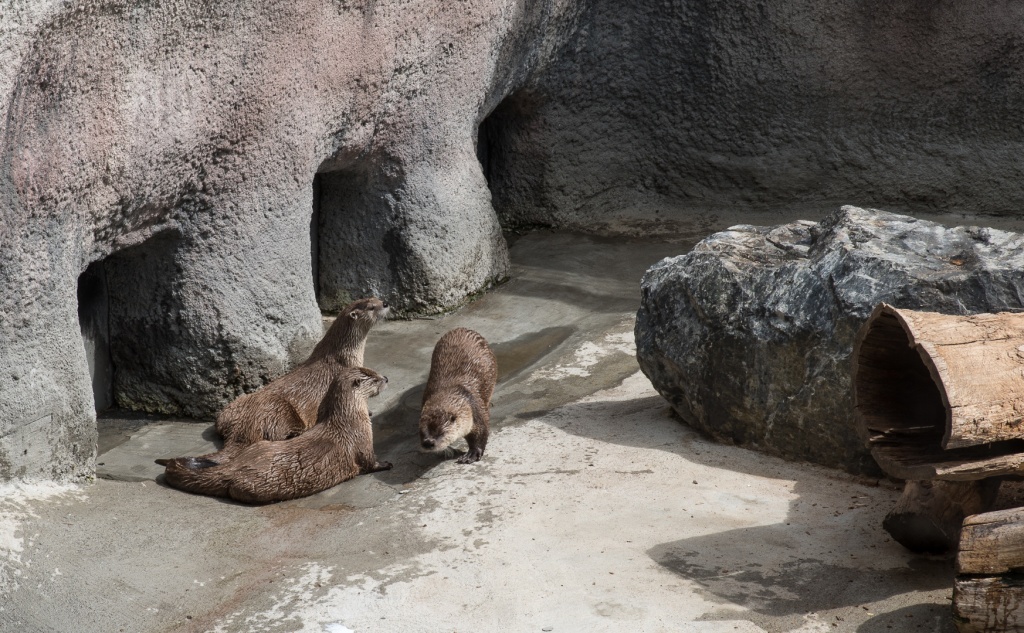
(288, 406)
(457, 400)
(337, 448)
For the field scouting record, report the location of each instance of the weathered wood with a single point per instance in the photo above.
(941, 396)
(928, 516)
(992, 543)
(961, 464)
(989, 604)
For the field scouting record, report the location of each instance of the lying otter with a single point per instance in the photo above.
(457, 400)
(288, 406)
(337, 448)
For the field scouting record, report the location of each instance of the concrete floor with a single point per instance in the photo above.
(592, 510)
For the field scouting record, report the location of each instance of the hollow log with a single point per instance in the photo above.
(941, 396)
(928, 516)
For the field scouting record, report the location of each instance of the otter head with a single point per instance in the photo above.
(365, 312)
(365, 382)
(442, 425)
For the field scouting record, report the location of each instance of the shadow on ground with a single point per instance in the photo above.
(785, 571)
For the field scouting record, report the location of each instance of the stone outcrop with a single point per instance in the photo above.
(664, 114)
(221, 169)
(187, 151)
(750, 335)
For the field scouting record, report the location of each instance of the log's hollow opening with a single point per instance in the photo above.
(897, 400)
(902, 410)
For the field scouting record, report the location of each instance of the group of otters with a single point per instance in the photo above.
(310, 430)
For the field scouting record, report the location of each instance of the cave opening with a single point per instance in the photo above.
(93, 319)
(513, 163)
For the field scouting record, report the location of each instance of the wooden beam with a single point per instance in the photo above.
(992, 543)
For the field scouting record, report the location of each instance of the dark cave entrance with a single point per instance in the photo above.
(513, 162)
(125, 312)
(93, 319)
(349, 244)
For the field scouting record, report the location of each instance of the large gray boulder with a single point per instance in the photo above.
(750, 335)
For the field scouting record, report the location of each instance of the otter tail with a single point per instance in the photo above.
(198, 475)
(192, 463)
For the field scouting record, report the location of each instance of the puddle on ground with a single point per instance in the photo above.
(516, 355)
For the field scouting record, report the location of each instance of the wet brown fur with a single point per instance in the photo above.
(337, 448)
(457, 400)
(288, 406)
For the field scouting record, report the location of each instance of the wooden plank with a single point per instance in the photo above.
(930, 461)
(989, 604)
(992, 543)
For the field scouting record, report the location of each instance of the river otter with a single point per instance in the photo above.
(337, 448)
(457, 400)
(288, 406)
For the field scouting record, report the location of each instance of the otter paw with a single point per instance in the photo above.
(383, 466)
(470, 457)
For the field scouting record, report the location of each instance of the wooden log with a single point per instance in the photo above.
(992, 543)
(928, 516)
(989, 604)
(941, 396)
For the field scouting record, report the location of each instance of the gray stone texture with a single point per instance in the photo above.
(230, 164)
(177, 143)
(750, 335)
(660, 114)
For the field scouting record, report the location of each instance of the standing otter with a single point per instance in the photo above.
(337, 448)
(288, 406)
(457, 400)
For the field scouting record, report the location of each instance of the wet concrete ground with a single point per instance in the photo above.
(592, 510)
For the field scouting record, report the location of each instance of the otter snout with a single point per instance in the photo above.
(428, 443)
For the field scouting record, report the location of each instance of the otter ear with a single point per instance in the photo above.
(355, 314)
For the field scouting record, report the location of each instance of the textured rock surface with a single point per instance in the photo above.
(178, 143)
(228, 164)
(749, 336)
(672, 110)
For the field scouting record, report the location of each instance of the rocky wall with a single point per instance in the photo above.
(177, 143)
(666, 115)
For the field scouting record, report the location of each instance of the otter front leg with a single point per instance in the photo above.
(477, 440)
(367, 460)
